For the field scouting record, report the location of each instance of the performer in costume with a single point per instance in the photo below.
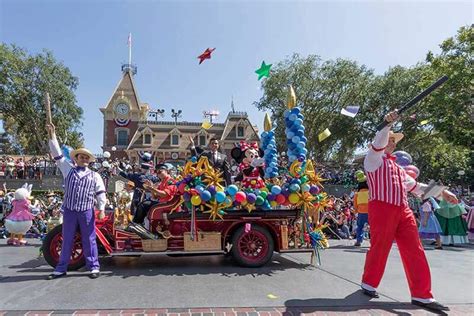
(429, 225)
(19, 221)
(454, 227)
(361, 200)
(138, 179)
(390, 218)
(163, 192)
(251, 166)
(82, 188)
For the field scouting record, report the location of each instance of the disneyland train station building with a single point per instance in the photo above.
(132, 127)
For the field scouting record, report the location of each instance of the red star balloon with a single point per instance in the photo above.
(206, 55)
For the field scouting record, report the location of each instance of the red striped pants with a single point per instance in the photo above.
(390, 222)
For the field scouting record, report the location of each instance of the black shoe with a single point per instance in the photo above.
(94, 275)
(53, 276)
(434, 306)
(372, 294)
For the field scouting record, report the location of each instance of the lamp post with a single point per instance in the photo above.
(461, 174)
(176, 114)
(211, 115)
(156, 113)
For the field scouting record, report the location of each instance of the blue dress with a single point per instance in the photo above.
(432, 229)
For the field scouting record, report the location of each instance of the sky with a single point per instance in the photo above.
(90, 37)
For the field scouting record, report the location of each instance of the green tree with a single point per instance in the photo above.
(24, 79)
(322, 90)
(440, 148)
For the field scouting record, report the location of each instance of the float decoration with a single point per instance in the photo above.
(268, 147)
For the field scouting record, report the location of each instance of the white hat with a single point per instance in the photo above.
(83, 151)
(397, 136)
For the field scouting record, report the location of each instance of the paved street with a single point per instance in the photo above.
(151, 282)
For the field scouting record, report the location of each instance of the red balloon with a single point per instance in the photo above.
(411, 173)
(240, 196)
(280, 199)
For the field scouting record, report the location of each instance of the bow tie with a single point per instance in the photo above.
(80, 168)
(391, 157)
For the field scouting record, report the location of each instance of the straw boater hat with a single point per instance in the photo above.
(83, 151)
(397, 136)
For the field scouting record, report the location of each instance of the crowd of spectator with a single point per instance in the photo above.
(26, 167)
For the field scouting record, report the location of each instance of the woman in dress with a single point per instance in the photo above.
(429, 225)
(450, 217)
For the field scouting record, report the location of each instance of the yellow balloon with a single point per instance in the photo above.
(293, 198)
(196, 200)
(273, 204)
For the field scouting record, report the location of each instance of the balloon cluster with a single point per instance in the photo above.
(196, 192)
(405, 160)
(270, 154)
(295, 139)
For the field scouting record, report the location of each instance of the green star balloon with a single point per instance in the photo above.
(263, 71)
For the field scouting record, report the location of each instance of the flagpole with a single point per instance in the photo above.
(130, 49)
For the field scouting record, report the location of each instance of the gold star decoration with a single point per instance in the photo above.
(248, 206)
(214, 208)
(313, 177)
(213, 177)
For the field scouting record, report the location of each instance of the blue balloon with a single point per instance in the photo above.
(286, 113)
(290, 134)
(298, 122)
(232, 189)
(264, 134)
(294, 187)
(301, 145)
(271, 133)
(199, 188)
(295, 139)
(205, 195)
(304, 139)
(276, 189)
(220, 197)
(295, 110)
(292, 117)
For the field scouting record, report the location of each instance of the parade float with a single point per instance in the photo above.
(263, 212)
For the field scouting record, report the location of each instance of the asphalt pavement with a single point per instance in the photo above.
(289, 281)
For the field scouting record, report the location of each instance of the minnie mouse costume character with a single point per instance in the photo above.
(251, 166)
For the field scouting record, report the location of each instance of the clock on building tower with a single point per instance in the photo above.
(121, 114)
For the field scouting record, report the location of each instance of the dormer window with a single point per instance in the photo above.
(202, 140)
(147, 139)
(240, 130)
(175, 136)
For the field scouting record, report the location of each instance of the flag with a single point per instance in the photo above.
(350, 111)
(424, 122)
(325, 134)
(206, 124)
(129, 40)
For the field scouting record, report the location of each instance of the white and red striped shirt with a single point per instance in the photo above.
(387, 181)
